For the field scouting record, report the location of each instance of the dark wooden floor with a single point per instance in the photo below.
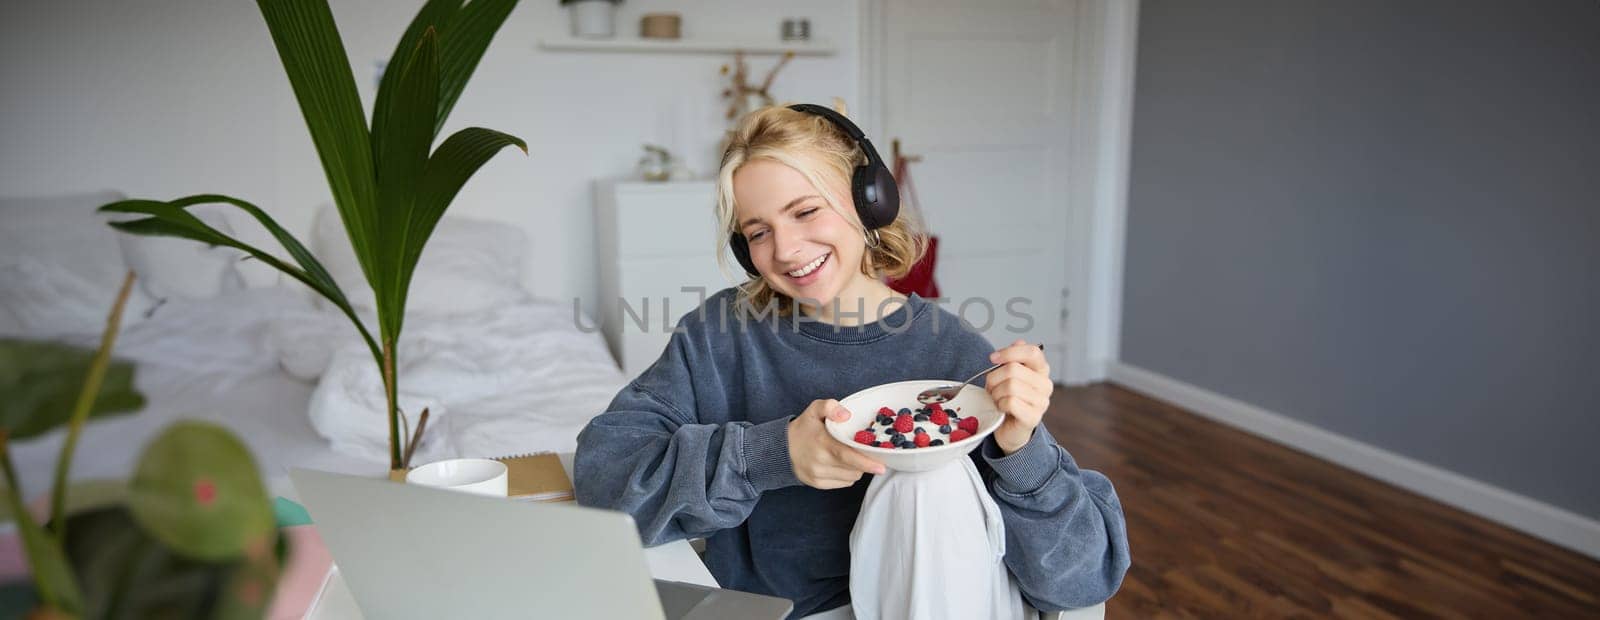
(1223, 524)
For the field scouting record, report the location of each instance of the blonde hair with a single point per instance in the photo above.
(819, 151)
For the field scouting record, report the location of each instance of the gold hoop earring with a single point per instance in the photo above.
(873, 240)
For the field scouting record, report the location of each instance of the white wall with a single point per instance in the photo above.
(162, 98)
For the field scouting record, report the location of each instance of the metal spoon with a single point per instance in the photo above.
(947, 393)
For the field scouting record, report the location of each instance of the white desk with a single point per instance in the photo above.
(675, 561)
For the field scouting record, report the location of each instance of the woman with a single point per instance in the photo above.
(723, 437)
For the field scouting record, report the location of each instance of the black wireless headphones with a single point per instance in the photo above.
(872, 186)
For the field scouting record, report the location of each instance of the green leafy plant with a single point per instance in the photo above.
(389, 190)
(193, 535)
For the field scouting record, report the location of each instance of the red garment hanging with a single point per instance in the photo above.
(920, 279)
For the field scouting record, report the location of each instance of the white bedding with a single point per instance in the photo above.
(515, 378)
(509, 379)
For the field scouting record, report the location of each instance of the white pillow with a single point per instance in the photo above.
(43, 300)
(60, 266)
(172, 268)
(468, 265)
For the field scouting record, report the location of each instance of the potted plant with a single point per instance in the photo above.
(593, 19)
(192, 534)
(389, 190)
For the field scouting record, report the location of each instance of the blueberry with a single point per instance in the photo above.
(921, 417)
(936, 442)
(921, 430)
(945, 429)
(905, 411)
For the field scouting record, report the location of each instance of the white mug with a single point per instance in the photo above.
(477, 476)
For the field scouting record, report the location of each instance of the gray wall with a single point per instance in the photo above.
(1381, 218)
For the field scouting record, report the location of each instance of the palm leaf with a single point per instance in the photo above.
(436, 14)
(451, 165)
(172, 219)
(464, 35)
(464, 41)
(314, 58)
(407, 135)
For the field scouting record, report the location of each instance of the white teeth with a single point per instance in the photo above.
(806, 270)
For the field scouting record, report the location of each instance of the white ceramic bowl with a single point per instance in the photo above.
(863, 406)
(479, 476)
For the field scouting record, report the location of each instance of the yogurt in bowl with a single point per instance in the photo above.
(864, 407)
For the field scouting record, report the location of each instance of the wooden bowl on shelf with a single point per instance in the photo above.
(661, 26)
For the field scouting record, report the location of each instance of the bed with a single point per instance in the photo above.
(216, 338)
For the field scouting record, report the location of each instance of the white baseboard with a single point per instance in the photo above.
(1557, 525)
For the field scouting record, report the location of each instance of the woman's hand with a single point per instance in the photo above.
(820, 461)
(1021, 388)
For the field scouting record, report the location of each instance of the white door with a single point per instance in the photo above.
(981, 91)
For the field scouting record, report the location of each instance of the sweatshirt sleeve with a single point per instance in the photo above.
(649, 456)
(1066, 541)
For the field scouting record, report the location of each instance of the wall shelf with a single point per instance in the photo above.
(815, 47)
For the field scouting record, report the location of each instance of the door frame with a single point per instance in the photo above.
(1105, 45)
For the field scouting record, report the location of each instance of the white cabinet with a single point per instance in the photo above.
(654, 241)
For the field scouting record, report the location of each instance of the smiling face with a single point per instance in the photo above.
(804, 248)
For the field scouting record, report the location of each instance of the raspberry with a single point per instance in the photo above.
(866, 437)
(958, 435)
(969, 424)
(923, 440)
(903, 424)
(885, 411)
(885, 444)
(939, 417)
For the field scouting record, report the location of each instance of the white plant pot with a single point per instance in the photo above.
(594, 19)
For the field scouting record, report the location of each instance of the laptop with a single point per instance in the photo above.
(407, 551)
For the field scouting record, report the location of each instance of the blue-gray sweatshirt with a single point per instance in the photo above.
(697, 446)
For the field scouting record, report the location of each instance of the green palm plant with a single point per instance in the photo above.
(389, 190)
